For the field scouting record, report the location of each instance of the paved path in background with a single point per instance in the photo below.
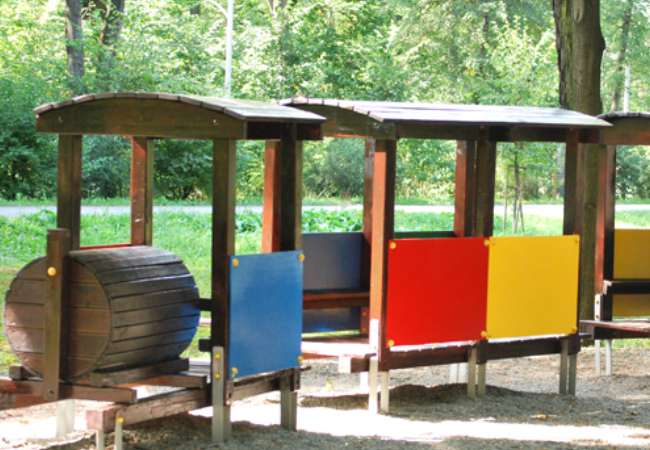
(535, 210)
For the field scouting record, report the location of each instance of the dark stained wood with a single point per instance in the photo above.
(18, 372)
(83, 295)
(597, 331)
(573, 184)
(139, 316)
(30, 340)
(271, 208)
(344, 123)
(465, 188)
(424, 234)
(149, 285)
(485, 178)
(626, 286)
(115, 254)
(67, 391)
(142, 261)
(525, 347)
(290, 189)
(69, 187)
(607, 247)
(142, 158)
(154, 299)
(136, 273)
(366, 244)
(179, 380)
(627, 131)
(163, 326)
(155, 407)
(141, 118)
(98, 379)
(55, 312)
(260, 384)
(335, 299)
(142, 357)
(637, 325)
(383, 227)
(271, 131)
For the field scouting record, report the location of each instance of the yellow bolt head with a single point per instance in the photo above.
(234, 371)
(392, 245)
(489, 334)
(484, 334)
(301, 257)
(235, 262)
(577, 239)
(120, 419)
(391, 343)
(51, 271)
(486, 242)
(574, 330)
(217, 356)
(217, 376)
(300, 359)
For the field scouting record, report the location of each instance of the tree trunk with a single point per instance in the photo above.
(619, 76)
(74, 44)
(112, 24)
(580, 47)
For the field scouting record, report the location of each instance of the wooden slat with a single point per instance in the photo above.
(149, 285)
(128, 318)
(154, 299)
(638, 325)
(80, 295)
(271, 210)
(627, 131)
(114, 254)
(142, 157)
(69, 187)
(524, 347)
(118, 395)
(98, 379)
(163, 326)
(143, 356)
(485, 178)
(80, 319)
(607, 244)
(335, 299)
(628, 286)
(366, 243)
(141, 261)
(465, 188)
(141, 273)
(152, 341)
(573, 185)
(76, 365)
(290, 189)
(30, 340)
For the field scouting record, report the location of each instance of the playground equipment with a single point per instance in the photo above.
(85, 322)
(420, 299)
(622, 275)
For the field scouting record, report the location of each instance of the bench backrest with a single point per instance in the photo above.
(631, 260)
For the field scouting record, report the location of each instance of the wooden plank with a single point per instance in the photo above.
(141, 118)
(345, 123)
(142, 157)
(465, 188)
(99, 379)
(55, 331)
(629, 286)
(142, 356)
(335, 299)
(155, 407)
(604, 333)
(383, 227)
(525, 347)
(69, 187)
(152, 341)
(606, 247)
(80, 319)
(128, 318)
(366, 243)
(80, 295)
(485, 178)
(118, 395)
(141, 261)
(155, 299)
(270, 131)
(114, 254)
(137, 273)
(290, 189)
(18, 372)
(271, 209)
(178, 380)
(30, 340)
(628, 131)
(424, 234)
(163, 326)
(573, 185)
(149, 285)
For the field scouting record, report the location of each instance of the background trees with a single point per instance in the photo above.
(479, 51)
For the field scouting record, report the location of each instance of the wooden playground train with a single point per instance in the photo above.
(89, 322)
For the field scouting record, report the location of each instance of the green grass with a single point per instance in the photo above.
(22, 239)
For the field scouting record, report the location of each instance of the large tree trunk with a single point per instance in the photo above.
(112, 23)
(580, 47)
(619, 76)
(74, 44)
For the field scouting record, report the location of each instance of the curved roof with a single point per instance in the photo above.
(458, 114)
(628, 128)
(623, 115)
(176, 116)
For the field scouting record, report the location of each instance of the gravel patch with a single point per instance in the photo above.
(522, 410)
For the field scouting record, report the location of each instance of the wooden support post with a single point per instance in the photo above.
(55, 332)
(223, 246)
(142, 157)
(481, 379)
(290, 189)
(607, 246)
(486, 158)
(368, 181)
(573, 184)
(465, 188)
(69, 187)
(221, 427)
(383, 220)
(471, 373)
(288, 403)
(64, 417)
(271, 208)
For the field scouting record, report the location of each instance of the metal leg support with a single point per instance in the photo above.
(363, 380)
(64, 417)
(288, 405)
(481, 379)
(384, 393)
(453, 373)
(573, 373)
(220, 411)
(608, 357)
(100, 440)
(471, 373)
(597, 357)
(564, 357)
(372, 394)
(118, 432)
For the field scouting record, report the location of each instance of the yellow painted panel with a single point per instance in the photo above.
(631, 305)
(632, 253)
(532, 286)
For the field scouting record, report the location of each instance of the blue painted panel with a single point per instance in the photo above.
(265, 312)
(332, 260)
(325, 320)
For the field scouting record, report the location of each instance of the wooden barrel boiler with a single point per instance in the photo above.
(127, 307)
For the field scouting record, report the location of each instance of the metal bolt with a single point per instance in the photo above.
(234, 371)
(486, 242)
(217, 356)
(235, 262)
(391, 343)
(120, 419)
(300, 359)
(215, 121)
(392, 245)
(301, 257)
(51, 271)
(217, 376)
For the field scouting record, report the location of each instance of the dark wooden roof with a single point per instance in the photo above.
(628, 128)
(172, 116)
(440, 121)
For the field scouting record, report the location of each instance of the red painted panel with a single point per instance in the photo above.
(437, 290)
